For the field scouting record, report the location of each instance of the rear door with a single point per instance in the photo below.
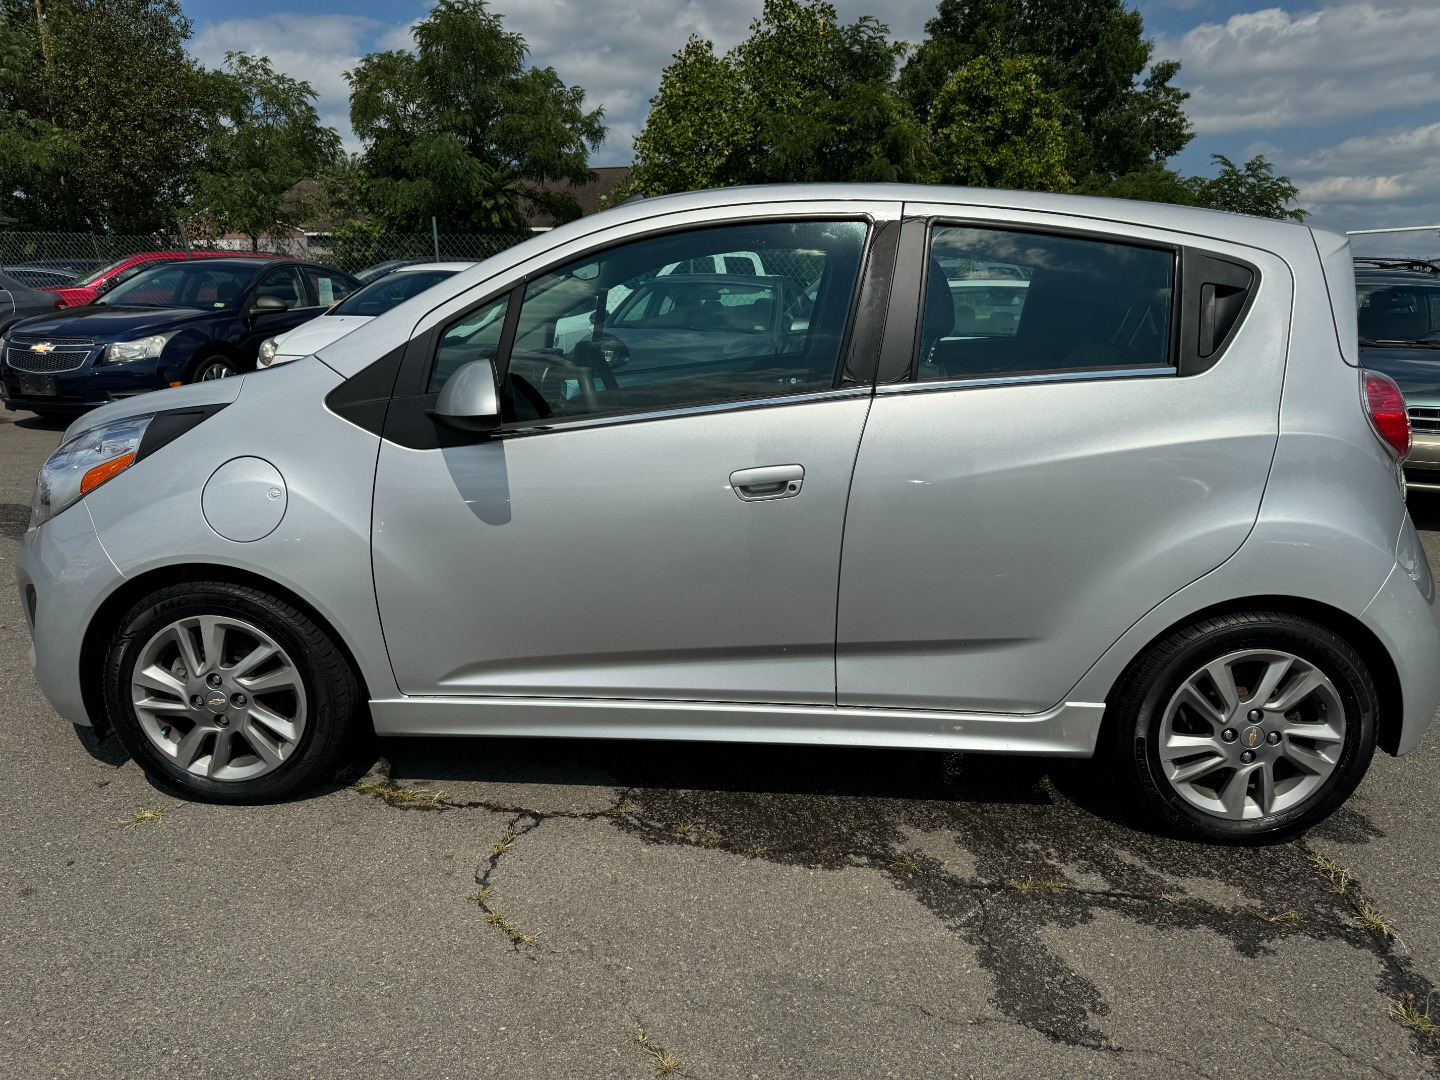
(1040, 469)
(668, 534)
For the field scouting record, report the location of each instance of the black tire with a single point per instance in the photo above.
(207, 367)
(1149, 685)
(334, 716)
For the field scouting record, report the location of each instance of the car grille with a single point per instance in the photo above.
(36, 339)
(1427, 420)
(45, 363)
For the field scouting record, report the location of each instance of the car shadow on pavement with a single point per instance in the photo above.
(35, 422)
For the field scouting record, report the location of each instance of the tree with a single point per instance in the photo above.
(803, 98)
(1252, 188)
(465, 130)
(103, 113)
(994, 125)
(1089, 52)
(265, 139)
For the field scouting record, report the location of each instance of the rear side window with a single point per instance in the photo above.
(1002, 302)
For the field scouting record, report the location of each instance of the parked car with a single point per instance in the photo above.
(355, 310)
(19, 301)
(380, 269)
(175, 323)
(1399, 322)
(1162, 521)
(43, 273)
(86, 289)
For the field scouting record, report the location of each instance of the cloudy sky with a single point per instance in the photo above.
(1342, 95)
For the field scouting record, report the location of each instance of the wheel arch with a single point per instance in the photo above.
(211, 349)
(130, 592)
(1360, 637)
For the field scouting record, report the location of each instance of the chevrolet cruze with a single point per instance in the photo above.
(1156, 513)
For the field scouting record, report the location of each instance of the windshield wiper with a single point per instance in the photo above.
(1408, 343)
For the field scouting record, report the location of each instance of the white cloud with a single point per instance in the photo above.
(1277, 68)
(315, 48)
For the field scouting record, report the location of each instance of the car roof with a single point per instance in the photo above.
(410, 268)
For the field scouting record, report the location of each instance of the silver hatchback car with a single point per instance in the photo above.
(1154, 512)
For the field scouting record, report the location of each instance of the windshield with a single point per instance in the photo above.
(95, 275)
(203, 285)
(380, 296)
(1398, 312)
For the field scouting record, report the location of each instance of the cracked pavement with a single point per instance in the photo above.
(525, 908)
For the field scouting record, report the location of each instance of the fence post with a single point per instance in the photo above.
(184, 239)
(435, 232)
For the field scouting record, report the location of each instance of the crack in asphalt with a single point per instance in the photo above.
(994, 909)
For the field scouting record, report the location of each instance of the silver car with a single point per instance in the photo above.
(1159, 518)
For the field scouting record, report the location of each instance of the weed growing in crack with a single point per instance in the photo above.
(624, 811)
(394, 795)
(498, 919)
(504, 844)
(139, 818)
(759, 851)
(1338, 875)
(666, 1063)
(684, 829)
(905, 862)
(484, 896)
(1406, 1012)
(1283, 918)
(1372, 920)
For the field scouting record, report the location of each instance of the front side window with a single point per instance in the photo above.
(183, 284)
(655, 325)
(284, 285)
(325, 289)
(1000, 302)
(475, 336)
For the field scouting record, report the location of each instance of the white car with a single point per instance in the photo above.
(357, 309)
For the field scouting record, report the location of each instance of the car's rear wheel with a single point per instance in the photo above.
(1246, 727)
(227, 694)
(213, 367)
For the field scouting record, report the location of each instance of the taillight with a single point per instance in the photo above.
(1385, 406)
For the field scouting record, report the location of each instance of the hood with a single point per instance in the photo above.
(211, 392)
(105, 324)
(314, 335)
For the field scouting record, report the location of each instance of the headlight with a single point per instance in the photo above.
(83, 463)
(145, 348)
(267, 352)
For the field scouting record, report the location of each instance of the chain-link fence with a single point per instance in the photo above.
(54, 253)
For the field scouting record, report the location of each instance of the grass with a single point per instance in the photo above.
(398, 796)
(504, 844)
(1405, 1011)
(501, 922)
(1031, 884)
(139, 818)
(1338, 875)
(666, 1063)
(1284, 918)
(684, 829)
(759, 851)
(1372, 920)
(484, 896)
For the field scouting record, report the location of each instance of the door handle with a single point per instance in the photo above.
(768, 482)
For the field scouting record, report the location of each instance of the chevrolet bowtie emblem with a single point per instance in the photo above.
(42, 347)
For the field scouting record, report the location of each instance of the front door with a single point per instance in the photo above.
(667, 531)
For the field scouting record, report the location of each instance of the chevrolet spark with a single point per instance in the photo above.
(1155, 513)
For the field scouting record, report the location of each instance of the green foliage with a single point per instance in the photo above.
(266, 138)
(1089, 52)
(803, 98)
(1252, 188)
(995, 125)
(463, 129)
(102, 114)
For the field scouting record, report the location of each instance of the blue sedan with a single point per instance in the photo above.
(179, 323)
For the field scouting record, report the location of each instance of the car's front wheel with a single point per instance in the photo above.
(224, 693)
(1246, 727)
(213, 367)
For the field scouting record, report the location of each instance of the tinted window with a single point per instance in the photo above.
(284, 285)
(1397, 312)
(390, 291)
(676, 339)
(1001, 302)
(475, 336)
(187, 284)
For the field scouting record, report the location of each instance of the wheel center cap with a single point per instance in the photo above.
(216, 701)
(1251, 737)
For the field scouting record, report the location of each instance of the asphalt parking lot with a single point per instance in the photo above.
(522, 908)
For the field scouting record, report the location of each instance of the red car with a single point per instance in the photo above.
(92, 285)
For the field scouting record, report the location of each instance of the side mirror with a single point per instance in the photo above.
(267, 305)
(468, 401)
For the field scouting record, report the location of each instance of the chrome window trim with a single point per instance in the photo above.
(1029, 377)
(585, 422)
